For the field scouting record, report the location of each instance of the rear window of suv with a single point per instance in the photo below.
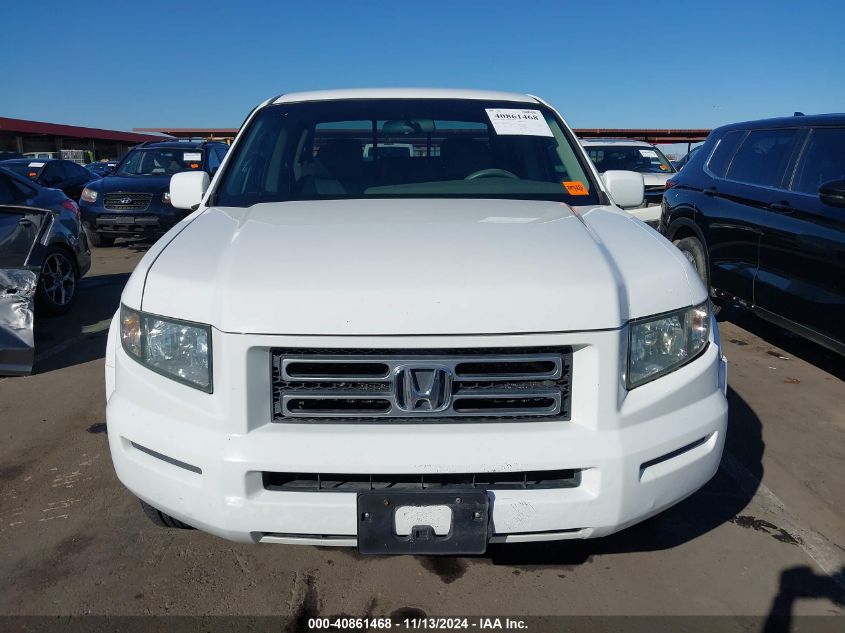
(720, 159)
(763, 157)
(823, 160)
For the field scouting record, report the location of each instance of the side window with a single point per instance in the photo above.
(12, 191)
(221, 152)
(823, 160)
(76, 173)
(724, 151)
(52, 174)
(213, 160)
(763, 157)
(7, 194)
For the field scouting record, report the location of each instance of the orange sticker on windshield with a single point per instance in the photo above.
(575, 188)
(195, 165)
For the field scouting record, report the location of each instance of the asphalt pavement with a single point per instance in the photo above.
(766, 535)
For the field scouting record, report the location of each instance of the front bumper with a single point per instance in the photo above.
(200, 457)
(154, 220)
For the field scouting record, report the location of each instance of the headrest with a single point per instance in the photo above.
(341, 154)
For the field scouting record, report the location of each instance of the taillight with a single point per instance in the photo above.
(70, 205)
(669, 184)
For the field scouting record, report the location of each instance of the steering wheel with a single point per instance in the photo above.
(492, 173)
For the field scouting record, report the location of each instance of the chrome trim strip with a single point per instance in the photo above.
(394, 411)
(396, 361)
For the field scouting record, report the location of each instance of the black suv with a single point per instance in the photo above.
(134, 200)
(759, 211)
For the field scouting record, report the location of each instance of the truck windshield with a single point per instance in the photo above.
(159, 162)
(405, 148)
(640, 158)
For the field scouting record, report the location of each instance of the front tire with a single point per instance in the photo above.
(693, 250)
(58, 284)
(161, 519)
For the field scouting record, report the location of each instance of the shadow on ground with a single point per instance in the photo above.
(792, 344)
(79, 336)
(802, 583)
(139, 245)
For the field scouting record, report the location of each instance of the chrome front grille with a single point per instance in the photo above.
(421, 385)
(127, 201)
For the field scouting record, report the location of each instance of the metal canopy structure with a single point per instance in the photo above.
(21, 135)
(654, 136)
(210, 133)
(657, 136)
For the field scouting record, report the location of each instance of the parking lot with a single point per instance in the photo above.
(767, 534)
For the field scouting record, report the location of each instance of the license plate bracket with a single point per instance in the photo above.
(469, 529)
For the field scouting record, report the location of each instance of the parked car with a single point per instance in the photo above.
(53, 173)
(608, 154)
(42, 155)
(67, 256)
(481, 323)
(22, 230)
(101, 168)
(133, 200)
(760, 212)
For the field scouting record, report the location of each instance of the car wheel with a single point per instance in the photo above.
(693, 250)
(59, 282)
(161, 519)
(99, 240)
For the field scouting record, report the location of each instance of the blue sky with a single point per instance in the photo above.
(602, 64)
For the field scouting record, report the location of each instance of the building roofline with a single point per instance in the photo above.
(24, 126)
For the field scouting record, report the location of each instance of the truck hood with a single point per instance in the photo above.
(656, 179)
(407, 267)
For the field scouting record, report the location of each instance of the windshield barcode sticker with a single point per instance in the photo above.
(522, 122)
(192, 156)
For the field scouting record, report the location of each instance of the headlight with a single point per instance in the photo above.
(659, 345)
(88, 195)
(177, 349)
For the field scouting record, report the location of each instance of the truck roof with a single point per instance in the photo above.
(403, 93)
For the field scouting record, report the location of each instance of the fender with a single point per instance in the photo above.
(684, 221)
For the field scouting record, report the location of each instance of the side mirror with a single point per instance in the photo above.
(833, 193)
(187, 189)
(625, 187)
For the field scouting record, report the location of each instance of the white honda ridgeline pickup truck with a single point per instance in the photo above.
(417, 352)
